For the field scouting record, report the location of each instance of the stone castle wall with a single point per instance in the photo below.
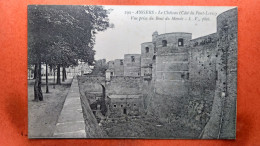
(213, 78)
(222, 123)
(168, 90)
(229, 35)
(125, 96)
(172, 64)
(124, 85)
(111, 64)
(132, 68)
(119, 67)
(91, 87)
(147, 53)
(125, 105)
(172, 39)
(202, 78)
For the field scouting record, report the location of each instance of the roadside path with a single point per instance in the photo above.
(71, 122)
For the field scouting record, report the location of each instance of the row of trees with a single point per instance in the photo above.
(61, 36)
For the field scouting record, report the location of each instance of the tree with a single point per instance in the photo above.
(62, 36)
(46, 75)
(100, 67)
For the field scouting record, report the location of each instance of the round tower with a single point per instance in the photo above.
(224, 104)
(172, 64)
(147, 52)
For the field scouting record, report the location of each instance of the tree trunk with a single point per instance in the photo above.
(47, 86)
(63, 74)
(54, 78)
(37, 84)
(58, 75)
(51, 70)
(35, 72)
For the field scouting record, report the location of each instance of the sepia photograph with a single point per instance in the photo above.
(137, 72)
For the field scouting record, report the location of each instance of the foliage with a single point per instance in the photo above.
(100, 68)
(64, 34)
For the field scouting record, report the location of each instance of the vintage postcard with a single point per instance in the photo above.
(146, 72)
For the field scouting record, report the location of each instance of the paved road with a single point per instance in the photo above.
(71, 122)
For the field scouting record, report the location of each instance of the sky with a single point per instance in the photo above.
(130, 30)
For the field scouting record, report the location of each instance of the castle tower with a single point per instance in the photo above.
(172, 64)
(119, 67)
(132, 65)
(224, 104)
(147, 52)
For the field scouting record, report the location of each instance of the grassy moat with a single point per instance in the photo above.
(147, 127)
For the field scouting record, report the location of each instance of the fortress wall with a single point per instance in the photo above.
(202, 80)
(91, 124)
(213, 71)
(172, 39)
(224, 106)
(90, 86)
(171, 73)
(169, 87)
(131, 105)
(173, 57)
(146, 58)
(111, 64)
(125, 93)
(124, 85)
(132, 68)
(229, 125)
(171, 50)
(174, 89)
(171, 64)
(202, 67)
(119, 67)
(92, 83)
